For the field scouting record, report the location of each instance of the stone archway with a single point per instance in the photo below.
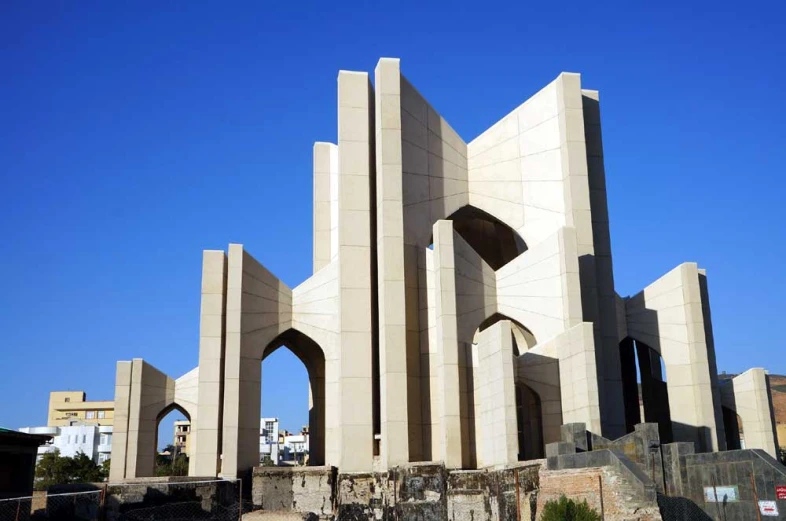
(529, 422)
(313, 359)
(166, 411)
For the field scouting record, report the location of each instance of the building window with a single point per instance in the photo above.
(90, 415)
(101, 415)
(68, 399)
(84, 438)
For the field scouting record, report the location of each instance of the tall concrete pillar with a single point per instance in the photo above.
(447, 346)
(325, 207)
(205, 443)
(117, 471)
(355, 165)
(497, 396)
(390, 255)
(748, 394)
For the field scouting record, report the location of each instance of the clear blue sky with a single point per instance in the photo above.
(135, 135)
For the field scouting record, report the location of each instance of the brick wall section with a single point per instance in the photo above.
(590, 484)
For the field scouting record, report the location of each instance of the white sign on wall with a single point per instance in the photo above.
(725, 494)
(768, 508)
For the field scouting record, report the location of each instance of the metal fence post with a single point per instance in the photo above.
(240, 500)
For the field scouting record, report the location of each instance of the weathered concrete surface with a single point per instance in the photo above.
(754, 472)
(419, 492)
(294, 489)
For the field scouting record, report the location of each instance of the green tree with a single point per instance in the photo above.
(568, 510)
(85, 470)
(52, 469)
(105, 466)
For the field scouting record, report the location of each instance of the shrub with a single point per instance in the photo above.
(568, 510)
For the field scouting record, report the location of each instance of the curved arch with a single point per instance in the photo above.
(302, 346)
(496, 242)
(495, 399)
(174, 406)
(312, 356)
(524, 339)
(163, 413)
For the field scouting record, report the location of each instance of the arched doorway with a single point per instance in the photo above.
(495, 402)
(172, 441)
(309, 450)
(529, 420)
(495, 242)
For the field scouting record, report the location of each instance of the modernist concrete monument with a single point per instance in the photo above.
(462, 306)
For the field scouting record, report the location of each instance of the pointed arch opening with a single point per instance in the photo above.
(495, 242)
(172, 441)
(306, 447)
(495, 396)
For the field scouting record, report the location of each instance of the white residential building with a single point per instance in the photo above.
(268, 440)
(93, 440)
(295, 449)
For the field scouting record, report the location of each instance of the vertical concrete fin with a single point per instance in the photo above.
(393, 381)
(357, 271)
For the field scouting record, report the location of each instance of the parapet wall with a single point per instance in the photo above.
(427, 492)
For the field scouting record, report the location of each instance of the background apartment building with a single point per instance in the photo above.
(77, 425)
(181, 437)
(68, 407)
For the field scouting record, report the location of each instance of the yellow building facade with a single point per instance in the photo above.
(66, 407)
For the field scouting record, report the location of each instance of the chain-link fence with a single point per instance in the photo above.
(142, 500)
(210, 500)
(76, 505)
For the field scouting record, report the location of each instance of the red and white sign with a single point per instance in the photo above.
(780, 492)
(768, 508)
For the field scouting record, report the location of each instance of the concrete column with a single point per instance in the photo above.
(355, 149)
(668, 316)
(206, 436)
(117, 472)
(390, 255)
(135, 440)
(232, 353)
(596, 288)
(325, 177)
(495, 354)
(749, 395)
(447, 346)
(613, 422)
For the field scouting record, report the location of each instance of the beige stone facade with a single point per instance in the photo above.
(69, 407)
(462, 305)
